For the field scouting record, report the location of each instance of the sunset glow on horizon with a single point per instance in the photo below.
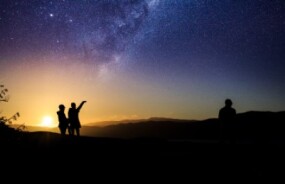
(47, 122)
(149, 58)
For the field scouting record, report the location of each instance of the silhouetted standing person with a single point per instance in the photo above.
(227, 122)
(62, 120)
(73, 116)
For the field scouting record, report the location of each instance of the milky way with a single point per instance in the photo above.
(93, 30)
(98, 31)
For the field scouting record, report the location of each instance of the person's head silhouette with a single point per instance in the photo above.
(61, 107)
(228, 103)
(73, 105)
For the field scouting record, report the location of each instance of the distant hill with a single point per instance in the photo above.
(251, 126)
(106, 123)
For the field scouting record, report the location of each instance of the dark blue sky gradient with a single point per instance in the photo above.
(229, 42)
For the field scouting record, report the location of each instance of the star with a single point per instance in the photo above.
(51, 15)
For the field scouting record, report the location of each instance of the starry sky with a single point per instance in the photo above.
(133, 59)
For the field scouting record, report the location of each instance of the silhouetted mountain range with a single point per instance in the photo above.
(253, 126)
(106, 123)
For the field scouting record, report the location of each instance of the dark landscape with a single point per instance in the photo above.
(252, 127)
(160, 143)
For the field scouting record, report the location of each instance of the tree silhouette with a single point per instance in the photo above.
(5, 123)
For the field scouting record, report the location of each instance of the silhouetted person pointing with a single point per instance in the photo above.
(227, 122)
(62, 120)
(74, 118)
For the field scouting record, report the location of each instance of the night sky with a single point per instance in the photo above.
(134, 59)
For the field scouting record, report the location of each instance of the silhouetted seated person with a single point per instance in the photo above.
(227, 122)
(74, 118)
(62, 120)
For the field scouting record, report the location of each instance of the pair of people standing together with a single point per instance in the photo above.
(72, 123)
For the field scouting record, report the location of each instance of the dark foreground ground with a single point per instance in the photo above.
(87, 158)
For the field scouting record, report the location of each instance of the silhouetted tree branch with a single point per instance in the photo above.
(5, 122)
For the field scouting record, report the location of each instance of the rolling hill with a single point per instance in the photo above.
(250, 127)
